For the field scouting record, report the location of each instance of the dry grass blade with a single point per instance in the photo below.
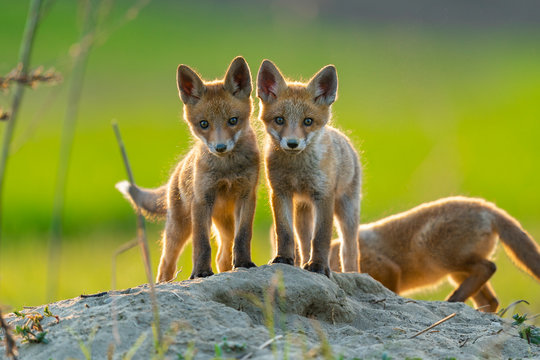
(432, 326)
(30, 79)
(504, 310)
(262, 346)
(141, 235)
(123, 248)
(11, 346)
(30, 28)
(66, 145)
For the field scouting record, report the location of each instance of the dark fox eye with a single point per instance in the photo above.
(233, 121)
(279, 120)
(204, 124)
(308, 121)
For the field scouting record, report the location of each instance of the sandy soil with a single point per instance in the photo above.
(349, 315)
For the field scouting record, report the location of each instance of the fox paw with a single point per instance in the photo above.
(282, 260)
(200, 274)
(317, 268)
(244, 264)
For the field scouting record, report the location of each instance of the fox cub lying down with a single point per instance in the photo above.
(216, 181)
(452, 237)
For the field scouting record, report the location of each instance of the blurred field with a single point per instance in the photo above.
(434, 110)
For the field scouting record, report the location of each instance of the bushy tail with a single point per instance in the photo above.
(519, 245)
(152, 202)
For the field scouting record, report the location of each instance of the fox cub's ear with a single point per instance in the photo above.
(323, 85)
(270, 82)
(190, 85)
(238, 78)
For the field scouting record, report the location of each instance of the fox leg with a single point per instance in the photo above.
(303, 226)
(334, 260)
(282, 211)
(224, 222)
(476, 276)
(347, 211)
(175, 236)
(382, 269)
(320, 246)
(244, 214)
(201, 218)
(485, 299)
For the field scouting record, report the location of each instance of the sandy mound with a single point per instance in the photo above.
(350, 315)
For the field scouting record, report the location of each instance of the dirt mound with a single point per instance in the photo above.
(349, 315)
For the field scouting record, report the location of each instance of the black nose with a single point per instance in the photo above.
(221, 147)
(293, 143)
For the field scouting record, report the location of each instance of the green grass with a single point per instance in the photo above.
(434, 112)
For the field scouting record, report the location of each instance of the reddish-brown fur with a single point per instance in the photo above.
(312, 169)
(215, 183)
(452, 237)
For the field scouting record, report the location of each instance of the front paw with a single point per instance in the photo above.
(244, 264)
(317, 268)
(282, 260)
(201, 274)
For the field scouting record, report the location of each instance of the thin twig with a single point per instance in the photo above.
(11, 345)
(432, 326)
(265, 344)
(141, 234)
(123, 248)
(66, 145)
(100, 294)
(503, 311)
(32, 22)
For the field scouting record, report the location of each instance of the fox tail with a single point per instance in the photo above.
(152, 202)
(519, 245)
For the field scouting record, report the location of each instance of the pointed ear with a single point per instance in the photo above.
(238, 78)
(323, 85)
(270, 82)
(190, 85)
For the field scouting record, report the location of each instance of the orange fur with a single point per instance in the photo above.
(312, 169)
(216, 181)
(452, 237)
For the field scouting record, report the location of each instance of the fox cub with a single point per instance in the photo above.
(449, 237)
(216, 181)
(312, 169)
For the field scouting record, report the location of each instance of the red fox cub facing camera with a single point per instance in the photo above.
(216, 181)
(312, 169)
(449, 237)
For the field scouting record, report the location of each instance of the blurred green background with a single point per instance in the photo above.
(439, 100)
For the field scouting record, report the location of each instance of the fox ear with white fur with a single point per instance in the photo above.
(190, 86)
(270, 82)
(238, 78)
(323, 85)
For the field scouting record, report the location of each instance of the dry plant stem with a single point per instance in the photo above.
(11, 347)
(68, 133)
(262, 346)
(123, 248)
(432, 326)
(25, 52)
(141, 235)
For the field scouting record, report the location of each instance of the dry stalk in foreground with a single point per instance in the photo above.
(11, 347)
(32, 21)
(432, 326)
(141, 235)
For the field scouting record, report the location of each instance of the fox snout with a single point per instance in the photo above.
(221, 148)
(292, 144)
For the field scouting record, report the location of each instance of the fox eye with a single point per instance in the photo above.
(204, 124)
(279, 120)
(308, 121)
(233, 121)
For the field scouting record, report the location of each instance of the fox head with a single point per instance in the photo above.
(294, 113)
(217, 112)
